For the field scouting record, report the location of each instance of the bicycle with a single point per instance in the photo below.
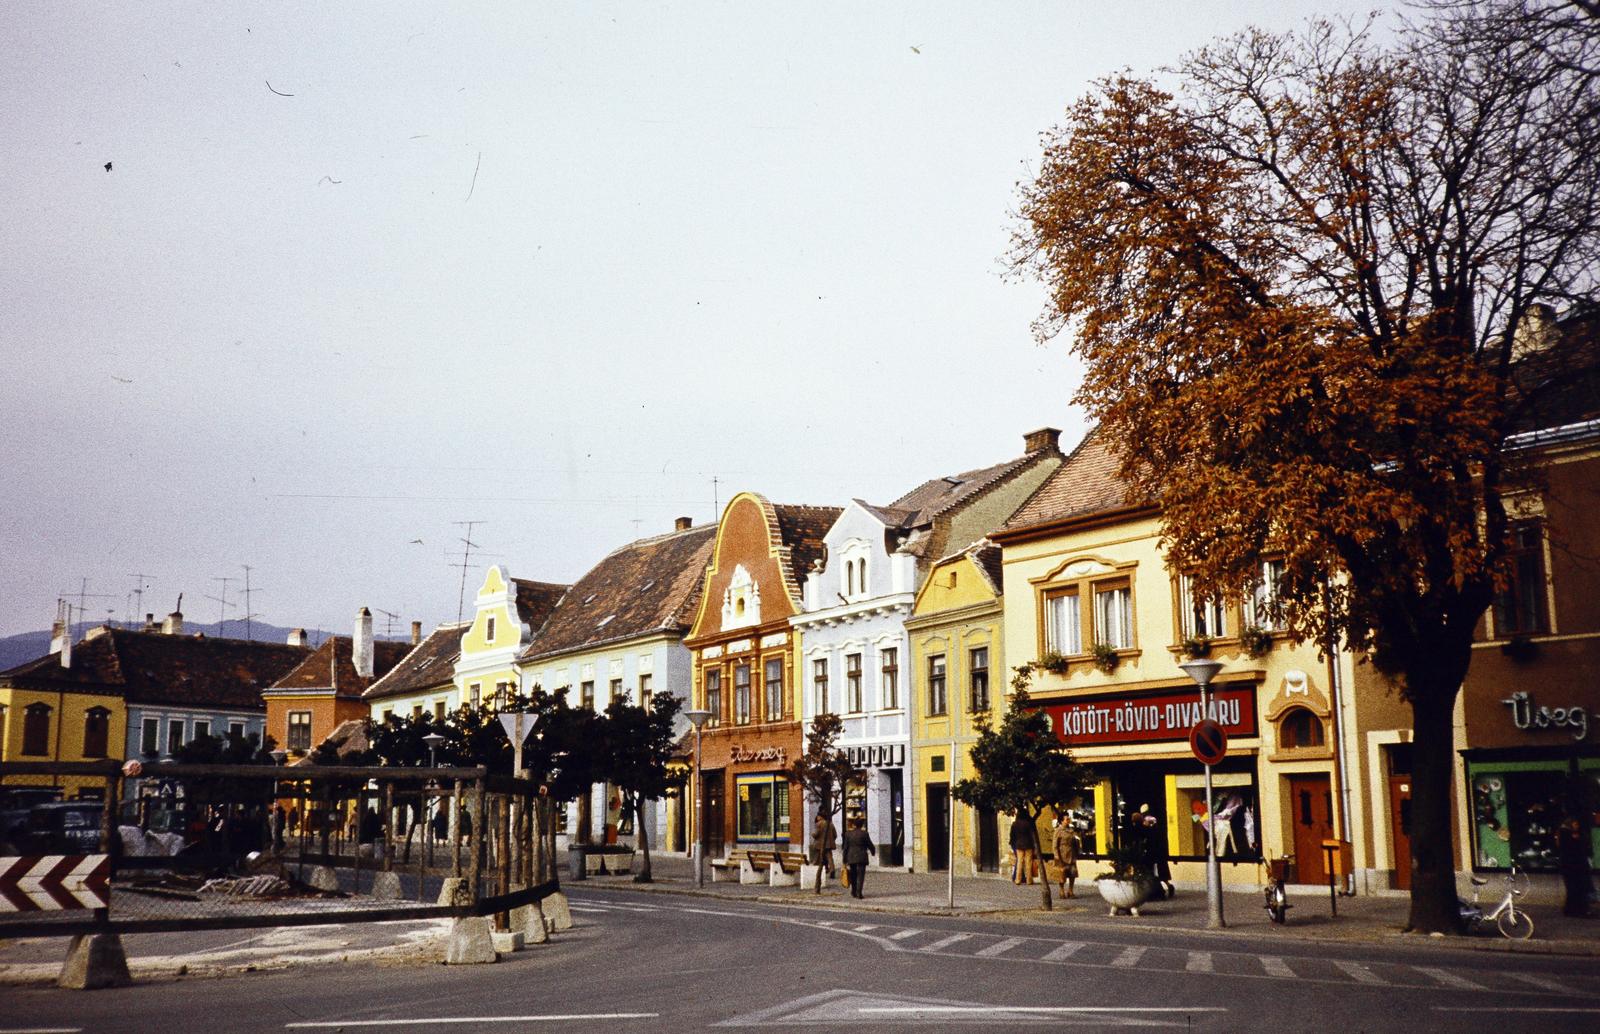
(1276, 897)
(1513, 923)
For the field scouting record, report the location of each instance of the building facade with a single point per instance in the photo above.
(507, 613)
(324, 690)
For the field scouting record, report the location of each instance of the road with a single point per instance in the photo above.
(667, 962)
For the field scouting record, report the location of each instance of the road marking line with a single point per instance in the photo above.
(1542, 982)
(1449, 979)
(1514, 1008)
(1361, 973)
(999, 948)
(958, 1010)
(864, 927)
(903, 934)
(41, 1030)
(1061, 951)
(1276, 967)
(1199, 962)
(419, 1021)
(1129, 957)
(945, 942)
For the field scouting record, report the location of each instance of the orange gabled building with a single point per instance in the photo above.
(325, 690)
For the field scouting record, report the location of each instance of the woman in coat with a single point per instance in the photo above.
(1064, 848)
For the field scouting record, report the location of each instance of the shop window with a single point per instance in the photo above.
(713, 694)
(741, 694)
(890, 681)
(855, 802)
(1063, 627)
(819, 679)
(937, 703)
(1199, 618)
(36, 729)
(1516, 810)
(774, 686)
(96, 732)
(852, 682)
(1237, 822)
(150, 737)
(299, 731)
(763, 811)
(1519, 608)
(1298, 729)
(979, 679)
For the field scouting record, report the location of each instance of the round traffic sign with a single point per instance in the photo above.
(1209, 741)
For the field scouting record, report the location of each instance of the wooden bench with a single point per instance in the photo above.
(782, 867)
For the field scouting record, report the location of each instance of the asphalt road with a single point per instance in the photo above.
(664, 962)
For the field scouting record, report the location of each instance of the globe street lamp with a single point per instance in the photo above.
(1203, 671)
(697, 718)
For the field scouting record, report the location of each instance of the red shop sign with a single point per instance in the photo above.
(1151, 717)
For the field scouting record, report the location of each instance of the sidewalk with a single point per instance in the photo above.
(1361, 919)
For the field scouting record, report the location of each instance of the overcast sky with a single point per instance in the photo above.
(358, 272)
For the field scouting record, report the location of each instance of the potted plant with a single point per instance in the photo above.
(1196, 646)
(1053, 662)
(1106, 657)
(1255, 640)
(1126, 884)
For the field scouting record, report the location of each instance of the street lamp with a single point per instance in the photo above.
(697, 718)
(1203, 671)
(433, 740)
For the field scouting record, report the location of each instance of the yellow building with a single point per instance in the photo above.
(507, 613)
(65, 706)
(958, 657)
(1088, 596)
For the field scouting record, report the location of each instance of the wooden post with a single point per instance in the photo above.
(475, 860)
(424, 845)
(503, 865)
(388, 827)
(455, 828)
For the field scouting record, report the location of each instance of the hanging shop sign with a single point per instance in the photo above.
(743, 754)
(1151, 717)
(1527, 715)
(878, 755)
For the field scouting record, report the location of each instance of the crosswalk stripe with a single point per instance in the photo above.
(1359, 972)
(864, 927)
(1276, 967)
(903, 934)
(999, 948)
(1449, 979)
(945, 942)
(1541, 982)
(1199, 962)
(1129, 957)
(1062, 951)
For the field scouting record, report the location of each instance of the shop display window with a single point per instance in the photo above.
(855, 801)
(1517, 808)
(1238, 818)
(763, 812)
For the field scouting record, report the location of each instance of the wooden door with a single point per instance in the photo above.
(988, 841)
(1311, 800)
(1400, 828)
(713, 839)
(938, 826)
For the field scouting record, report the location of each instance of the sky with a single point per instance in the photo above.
(304, 286)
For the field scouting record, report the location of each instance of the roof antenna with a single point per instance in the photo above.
(466, 558)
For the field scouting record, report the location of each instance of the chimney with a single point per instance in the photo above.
(416, 632)
(1045, 439)
(150, 623)
(297, 637)
(683, 524)
(174, 624)
(361, 644)
(61, 638)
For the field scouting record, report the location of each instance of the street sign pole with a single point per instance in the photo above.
(1203, 671)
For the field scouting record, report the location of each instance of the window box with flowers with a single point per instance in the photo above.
(1086, 614)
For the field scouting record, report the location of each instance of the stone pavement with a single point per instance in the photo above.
(1366, 918)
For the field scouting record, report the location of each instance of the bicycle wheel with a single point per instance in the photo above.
(1515, 924)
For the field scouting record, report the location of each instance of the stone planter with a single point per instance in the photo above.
(1125, 896)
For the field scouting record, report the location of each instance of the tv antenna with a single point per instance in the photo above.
(247, 591)
(141, 582)
(83, 594)
(466, 561)
(222, 602)
(388, 627)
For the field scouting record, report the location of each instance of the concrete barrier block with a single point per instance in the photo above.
(506, 941)
(779, 878)
(454, 891)
(808, 876)
(748, 873)
(531, 921)
(725, 873)
(557, 909)
(95, 960)
(386, 886)
(323, 878)
(471, 941)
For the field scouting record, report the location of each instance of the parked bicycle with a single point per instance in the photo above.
(1276, 896)
(1512, 921)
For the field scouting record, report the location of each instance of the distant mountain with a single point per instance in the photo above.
(25, 646)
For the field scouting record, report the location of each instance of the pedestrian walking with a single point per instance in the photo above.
(858, 848)
(1024, 847)
(1572, 857)
(823, 840)
(1064, 849)
(278, 821)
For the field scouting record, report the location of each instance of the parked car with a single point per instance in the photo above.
(15, 804)
(64, 827)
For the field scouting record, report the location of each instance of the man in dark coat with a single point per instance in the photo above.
(858, 848)
(1024, 848)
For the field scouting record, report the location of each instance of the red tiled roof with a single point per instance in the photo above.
(536, 600)
(330, 667)
(1087, 483)
(801, 530)
(431, 664)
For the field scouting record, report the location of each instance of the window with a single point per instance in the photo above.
(96, 732)
(890, 681)
(849, 577)
(1063, 631)
(741, 694)
(714, 696)
(1519, 607)
(586, 694)
(36, 729)
(202, 731)
(299, 737)
(763, 812)
(388, 716)
(1299, 728)
(979, 660)
(852, 682)
(488, 633)
(475, 693)
(616, 690)
(501, 691)
(438, 710)
(646, 690)
(1199, 618)
(236, 728)
(1113, 616)
(819, 678)
(150, 737)
(416, 712)
(1264, 608)
(936, 695)
(174, 735)
(774, 675)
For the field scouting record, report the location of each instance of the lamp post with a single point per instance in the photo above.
(433, 740)
(1203, 671)
(697, 718)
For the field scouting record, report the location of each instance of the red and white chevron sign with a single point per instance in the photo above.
(54, 882)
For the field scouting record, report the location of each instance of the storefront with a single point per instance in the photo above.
(878, 799)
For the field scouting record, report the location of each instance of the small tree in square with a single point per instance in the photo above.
(639, 744)
(824, 770)
(1021, 767)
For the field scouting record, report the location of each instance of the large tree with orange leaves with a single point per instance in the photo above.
(1295, 273)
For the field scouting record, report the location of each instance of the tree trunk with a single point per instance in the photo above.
(1433, 873)
(644, 840)
(1046, 899)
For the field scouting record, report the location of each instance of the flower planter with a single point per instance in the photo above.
(1125, 896)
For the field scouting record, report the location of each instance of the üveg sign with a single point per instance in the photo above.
(1151, 717)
